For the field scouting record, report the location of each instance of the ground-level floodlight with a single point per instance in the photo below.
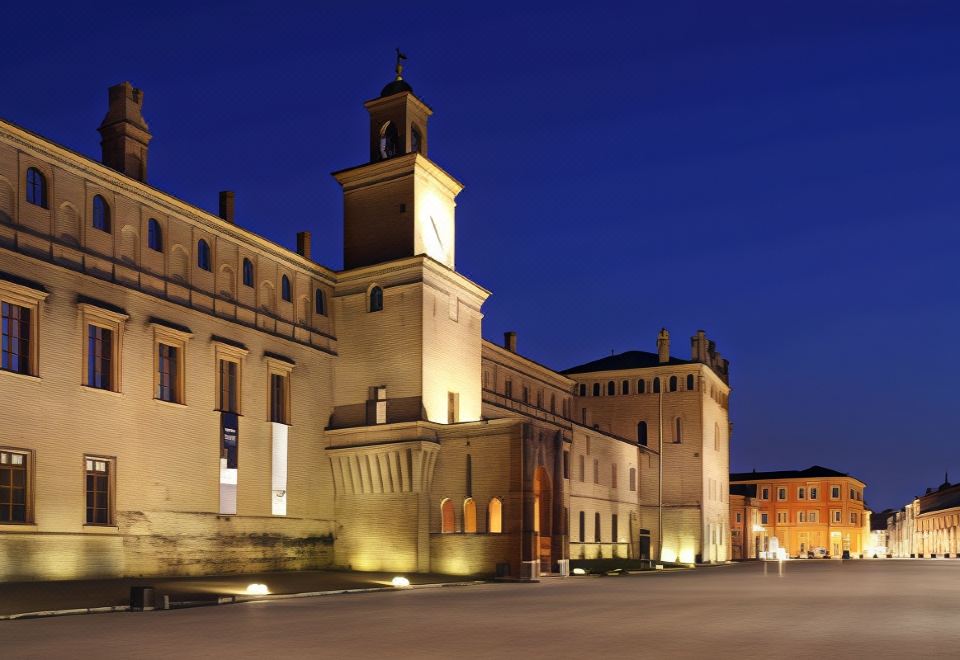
(257, 589)
(400, 582)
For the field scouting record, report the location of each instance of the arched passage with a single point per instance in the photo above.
(542, 518)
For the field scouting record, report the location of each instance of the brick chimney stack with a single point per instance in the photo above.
(226, 205)
(663, 346)
(124, 134)
(510, 341)
(303, 244)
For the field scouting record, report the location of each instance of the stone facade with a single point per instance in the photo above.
(927, 527)
(186, 397)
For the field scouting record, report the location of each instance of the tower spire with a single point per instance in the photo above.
(399, 67)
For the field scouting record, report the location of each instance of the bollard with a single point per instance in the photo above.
(141, 599)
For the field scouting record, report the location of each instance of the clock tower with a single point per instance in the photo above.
(400, 204)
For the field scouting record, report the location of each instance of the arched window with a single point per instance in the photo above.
(677, 430)
(641, 386)
(376, 299)
(673, 383)
(448, 522)
(415, 139)
(319, 303)
(611, 388)
(642, 433)
(203, 255)
(625, 387)
(596, 389)
(495, 516)
(36, 188)
(656, 385)
(247, 272)
(583, 389)
(285, 288)
(633, 478)
(388, 141)
(596, 527)
(690, 381)
(469, 516)
(101, 214)
(154, 235)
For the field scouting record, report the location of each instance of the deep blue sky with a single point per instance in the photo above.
(781, 174)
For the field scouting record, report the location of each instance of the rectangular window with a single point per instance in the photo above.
(834, 492)
(14, 487)
(765, 494)
(583, 469)
(764, 519)
(566, 465)
(853, 517)
(526, 394)
(99, 357)
(613, 528)
(380, 404)
(814, 492)
(98, 490)
(853, 494)
(739, 517)
(801, 493)
(596, 528)
(229, 385)
(168, 386)
(783, 517)
(836, 515)
(596, 471)
(508, 389)
(279, 392)
(15, 354)
(782, 494)
(801, 516)
(583, 527)
(613, 475)
(812, 516)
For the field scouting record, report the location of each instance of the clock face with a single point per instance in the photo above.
(436, 231)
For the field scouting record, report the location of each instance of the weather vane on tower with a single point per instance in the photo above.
(399, 67)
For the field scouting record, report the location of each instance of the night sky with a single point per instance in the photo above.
(783, 175)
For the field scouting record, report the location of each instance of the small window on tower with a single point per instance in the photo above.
(376, 299)
(415, 140)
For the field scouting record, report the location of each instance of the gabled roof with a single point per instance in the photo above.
(811, 472)
(621, 361)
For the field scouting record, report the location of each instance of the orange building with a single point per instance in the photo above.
(815, 512)
(745, 538)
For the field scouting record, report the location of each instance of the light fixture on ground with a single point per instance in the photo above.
(257, 589)
(579, 571)
(400, 581)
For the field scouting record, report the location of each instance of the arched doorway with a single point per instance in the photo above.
(542, 518)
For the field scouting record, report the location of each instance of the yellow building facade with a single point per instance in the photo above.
(186, 397)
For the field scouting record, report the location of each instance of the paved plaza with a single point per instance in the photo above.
(854, 609)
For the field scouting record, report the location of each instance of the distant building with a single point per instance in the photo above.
(929, 526)
(814, 511)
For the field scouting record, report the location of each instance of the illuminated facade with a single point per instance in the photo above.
(814, 512)
(186, 397)
(658, 400)
(746, 541)
(928, 527)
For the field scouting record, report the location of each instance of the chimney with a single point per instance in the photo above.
(303, 244)
(226, 205)
(663, 346)
(124, 134)
(698, 348)
(510, 341)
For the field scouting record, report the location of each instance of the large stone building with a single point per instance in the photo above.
(183, 396)
(812, 512)
(679, 408)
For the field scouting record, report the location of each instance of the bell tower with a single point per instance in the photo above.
(398, 119)
(400, 204)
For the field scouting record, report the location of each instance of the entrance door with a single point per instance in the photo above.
(644, 544)
(542, 518)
